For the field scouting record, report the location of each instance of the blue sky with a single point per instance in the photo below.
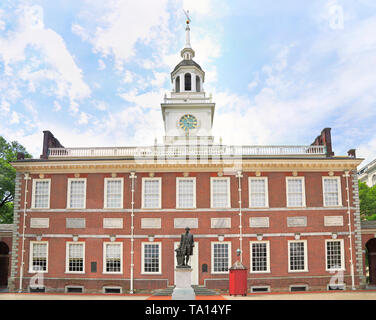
(95, 72)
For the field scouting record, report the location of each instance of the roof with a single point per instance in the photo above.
(368, 224)
(184, 63)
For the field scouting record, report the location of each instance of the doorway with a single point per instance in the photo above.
(193, 262)
(4, 264)
(371, 248)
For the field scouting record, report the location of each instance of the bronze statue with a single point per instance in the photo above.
(185, 249)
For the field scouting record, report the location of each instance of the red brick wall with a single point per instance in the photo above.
(278, 224)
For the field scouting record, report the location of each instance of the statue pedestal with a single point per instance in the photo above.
(183, 289)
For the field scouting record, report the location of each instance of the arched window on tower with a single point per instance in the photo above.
(177, 84)
(187, 82)
(198, 84)
(374, 180)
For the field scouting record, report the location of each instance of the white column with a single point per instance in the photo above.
(181, 82)
(193, 82)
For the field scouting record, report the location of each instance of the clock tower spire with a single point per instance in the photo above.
(188, 113)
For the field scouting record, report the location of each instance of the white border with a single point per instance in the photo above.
(212, 256)
(303, 192)
(266, 191)
(228, 191)
(342, 255)
(305, 256)
(31, 257)
(106, 180)
(160, 192)
(178, 179)
(67, 256)
(143, 257)
(69, 189)
(339, 192)
(33, 193)
(267, 256)
(121, 257)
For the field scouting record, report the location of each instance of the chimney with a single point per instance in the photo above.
(325, 139)
(351, 153)
(49, 141)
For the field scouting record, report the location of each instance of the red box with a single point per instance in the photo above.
(238, 282)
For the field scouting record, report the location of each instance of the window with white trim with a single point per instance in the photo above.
(113, 193)
(332, 191)
(260, 261)
(113, 256)
(41, 193)
(295, 192)
(221, 257)
(220, 192)
(258, 192)
(151, 194)
(76, 193)
(75, 257)
(297, 256)
(334, 254)
(151, 258)
(38, 256)
(185, 193)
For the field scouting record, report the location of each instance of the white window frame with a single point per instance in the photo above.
(212, 256)
(105, 205)
(111, 287)
(33, 193)
(299, 285)
(303, 192)
(31, 257)
(342, 255)
(260, 287)
(69, 192)
(212, 179)
(178, 179)
(305, 256)
(104, 256)
(143, 258)
(160, 192)
(68, 243)
(250, 179)
(267, 256)
(339, 191)
(72, 286)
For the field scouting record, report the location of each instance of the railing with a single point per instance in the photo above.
(187, 100)
(171, 151)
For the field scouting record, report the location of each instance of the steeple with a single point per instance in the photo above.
(187, 53)
(188, 113)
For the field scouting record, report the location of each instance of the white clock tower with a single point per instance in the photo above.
(188, 113)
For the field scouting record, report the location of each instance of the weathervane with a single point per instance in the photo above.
(187, 15)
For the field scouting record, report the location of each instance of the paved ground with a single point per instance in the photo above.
(348, 295)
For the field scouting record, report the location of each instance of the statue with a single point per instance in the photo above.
(185, 249)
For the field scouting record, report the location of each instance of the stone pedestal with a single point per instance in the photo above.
(183, 289)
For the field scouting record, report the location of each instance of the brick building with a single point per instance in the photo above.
(109, 219)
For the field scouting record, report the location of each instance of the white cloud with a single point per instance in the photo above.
(58, 64)
(14, 119)
(5, 106)
(84, 118)
(57, 106)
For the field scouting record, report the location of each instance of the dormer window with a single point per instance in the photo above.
(187, 82)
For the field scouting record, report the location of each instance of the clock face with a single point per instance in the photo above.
(188, 122)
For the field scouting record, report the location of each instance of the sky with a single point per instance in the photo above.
(94, 72)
